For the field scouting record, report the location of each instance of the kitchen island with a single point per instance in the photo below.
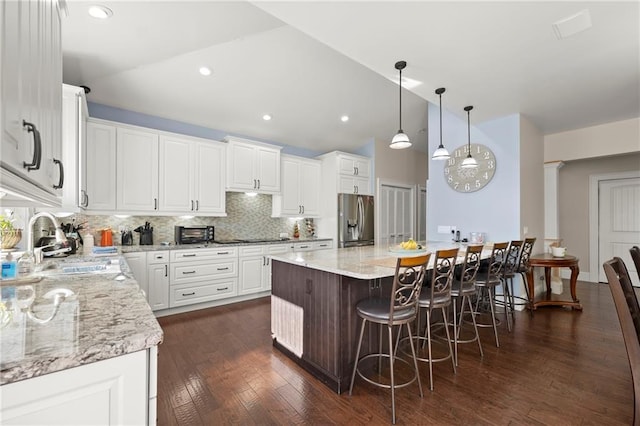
(314, 294)
(78, 346)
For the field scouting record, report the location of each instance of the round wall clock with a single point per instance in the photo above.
(470, 180)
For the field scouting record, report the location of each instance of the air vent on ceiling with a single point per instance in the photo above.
(573, 24)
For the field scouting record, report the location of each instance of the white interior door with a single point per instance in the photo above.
(619, 227)
(397, 207)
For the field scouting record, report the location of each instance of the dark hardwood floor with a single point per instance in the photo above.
(561, 367)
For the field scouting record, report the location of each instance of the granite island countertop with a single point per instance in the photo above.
(367, 262)
(100, 318)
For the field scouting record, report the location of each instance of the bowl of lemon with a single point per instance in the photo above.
(410, 246)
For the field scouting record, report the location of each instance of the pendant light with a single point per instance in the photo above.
(469, 162)
(400, 140)
(441, 153)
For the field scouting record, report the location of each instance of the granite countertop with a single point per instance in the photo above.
(99, 318)
(244, 242)
(367, 262)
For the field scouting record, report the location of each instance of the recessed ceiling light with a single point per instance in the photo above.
(100, 12)
(573, 24)
(266, 117)
(205, 71)
(344, 118)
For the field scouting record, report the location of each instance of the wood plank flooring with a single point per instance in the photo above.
(561, 367)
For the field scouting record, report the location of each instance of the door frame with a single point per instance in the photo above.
(594, 217)
(390, 182)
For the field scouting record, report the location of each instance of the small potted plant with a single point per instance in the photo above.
(10, 235)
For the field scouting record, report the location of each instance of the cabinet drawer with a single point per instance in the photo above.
(251, 251)
(197, 272)
(203, 254)
(303, 246)
(156, 257)
(212, 290)
(278, 249)
(322, 245)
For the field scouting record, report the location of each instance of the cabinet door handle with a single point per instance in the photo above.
(84, 202)
(197, 205)
(189, 255)
(191, 205)
(166, 270)
(222, 289)
(258, 183)
(189, 294)
(61, 178)
(255, 184)
(155, 204)
(302, 209)
(357, 171)
(222, 252)
(188, 272)
(223, 269)
(303, 247)
(37, 147)
(268, 261)
(354, 171)
(323, 245)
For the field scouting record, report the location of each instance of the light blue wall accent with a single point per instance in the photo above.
(138, 119)
(495, 209)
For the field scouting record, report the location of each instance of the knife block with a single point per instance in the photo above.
(146, 237)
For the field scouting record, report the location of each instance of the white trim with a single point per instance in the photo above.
(594, 216)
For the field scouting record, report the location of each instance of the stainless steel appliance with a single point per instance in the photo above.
(355, 220)
(194, 234)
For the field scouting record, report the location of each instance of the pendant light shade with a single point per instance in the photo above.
(400, 140)
(441, 153)
(469, 162)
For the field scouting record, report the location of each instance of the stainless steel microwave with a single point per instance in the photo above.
(194, 234)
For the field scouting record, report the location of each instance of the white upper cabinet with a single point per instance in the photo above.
(31, 70)
(352, 165)
(136, 170)
(252, 166)
(300, 194)
(101, 166)
(191, 175)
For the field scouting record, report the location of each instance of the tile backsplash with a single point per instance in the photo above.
(247, 217)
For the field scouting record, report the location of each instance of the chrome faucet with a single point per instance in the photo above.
(59, 233)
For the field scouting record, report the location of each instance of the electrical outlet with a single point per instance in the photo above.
(444, 229)
(284, 235)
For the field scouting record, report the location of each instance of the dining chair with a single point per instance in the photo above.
(628, 310)
(463, 289)
(437, 296)
(395, 311)
(486, 282)
(635, 255)
(523, 268)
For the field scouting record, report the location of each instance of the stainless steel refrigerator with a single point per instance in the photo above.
(355, 220)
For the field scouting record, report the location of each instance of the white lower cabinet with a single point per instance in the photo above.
(202, 275)
(137, 262)
(255, 267)
(158, 280)
(116, 391)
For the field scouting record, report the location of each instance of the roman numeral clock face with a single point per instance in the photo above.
(470, 180)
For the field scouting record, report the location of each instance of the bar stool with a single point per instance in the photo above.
(509, 270)
(399, 310)
(523, 268)
(486, 282)
(438, 296)
(465, 288)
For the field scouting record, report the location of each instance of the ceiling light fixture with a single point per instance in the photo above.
(266, 117)
(344, 118)
(100, 12)
(441, 153)
(469, 162)
(205, 71)
(400, 140)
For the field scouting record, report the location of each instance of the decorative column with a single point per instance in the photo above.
(551, 226)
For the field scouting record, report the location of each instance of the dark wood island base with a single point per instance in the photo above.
(330, 322)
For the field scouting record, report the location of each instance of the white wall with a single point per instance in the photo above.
(495, 209)
(619, 137)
